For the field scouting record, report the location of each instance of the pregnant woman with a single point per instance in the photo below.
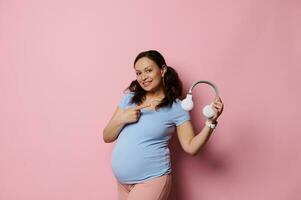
(142, 125)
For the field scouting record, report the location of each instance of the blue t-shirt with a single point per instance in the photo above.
(141, 151)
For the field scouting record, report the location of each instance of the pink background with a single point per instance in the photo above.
(64, 64)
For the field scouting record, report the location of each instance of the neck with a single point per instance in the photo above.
(158, 94)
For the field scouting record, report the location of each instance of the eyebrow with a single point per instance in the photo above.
(144, 68)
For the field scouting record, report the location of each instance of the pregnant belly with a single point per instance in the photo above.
(133, 162)
(127, 163)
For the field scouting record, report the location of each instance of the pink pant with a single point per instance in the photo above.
(154, 189)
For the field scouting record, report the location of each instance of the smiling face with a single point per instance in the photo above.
(148, 74)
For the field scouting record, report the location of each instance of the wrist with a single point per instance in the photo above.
(211, 124)
(212, 121)
(120, 121)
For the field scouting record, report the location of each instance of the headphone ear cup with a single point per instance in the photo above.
(208, 111)
(187, 104)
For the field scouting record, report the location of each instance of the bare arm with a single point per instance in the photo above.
(119, 119)
(192, 143)
(112, 130)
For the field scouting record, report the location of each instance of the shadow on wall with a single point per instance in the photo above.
(212, 163)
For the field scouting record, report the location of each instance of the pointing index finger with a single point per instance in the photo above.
(142, 106)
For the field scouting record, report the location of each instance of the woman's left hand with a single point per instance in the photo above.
(218, 107)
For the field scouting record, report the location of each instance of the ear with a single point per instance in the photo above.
(163, 70)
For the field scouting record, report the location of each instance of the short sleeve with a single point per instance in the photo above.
(125, 99)
(180, 115)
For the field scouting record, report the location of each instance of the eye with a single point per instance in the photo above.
(149, 70)
(138, 73)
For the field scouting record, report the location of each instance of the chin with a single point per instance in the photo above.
(149, 89)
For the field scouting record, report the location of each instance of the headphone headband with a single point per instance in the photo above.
(206, 82)
(187, 103)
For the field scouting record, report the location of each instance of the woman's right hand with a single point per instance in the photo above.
(131, 115)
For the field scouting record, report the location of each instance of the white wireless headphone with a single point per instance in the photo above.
(187, 103)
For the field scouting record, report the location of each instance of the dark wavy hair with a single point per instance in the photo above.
(172, 83)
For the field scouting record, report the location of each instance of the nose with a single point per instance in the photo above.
(143, 77)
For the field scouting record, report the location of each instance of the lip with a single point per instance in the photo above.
(146, 83)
